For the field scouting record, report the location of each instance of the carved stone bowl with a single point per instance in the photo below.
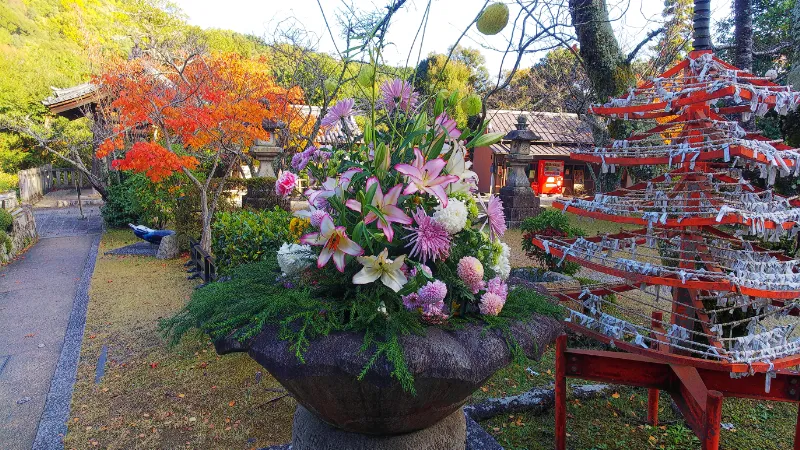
(448, 366)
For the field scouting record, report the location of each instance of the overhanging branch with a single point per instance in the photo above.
(639, 46)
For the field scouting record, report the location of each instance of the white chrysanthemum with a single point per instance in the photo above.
(294, 258)
(454, 217)
(503, 265)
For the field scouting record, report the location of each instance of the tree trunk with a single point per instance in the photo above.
(205, 237)
(794, 74)
(608, 70)
(743, 34)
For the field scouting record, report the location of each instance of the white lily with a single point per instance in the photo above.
(382, 267)
(458, 165)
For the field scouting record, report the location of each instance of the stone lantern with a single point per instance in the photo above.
(518, 198)
(265, 152)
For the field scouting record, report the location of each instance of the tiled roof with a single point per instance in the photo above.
(335, 133)
(536, 150)
(556, 128)
(70, 93)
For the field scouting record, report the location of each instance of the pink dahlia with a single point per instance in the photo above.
(429, 240)
(491, 304)
(470, 270)
(398, 95)
(496, 217)
(285, 183)
(497, 286)
(341, 110)
(317, 216)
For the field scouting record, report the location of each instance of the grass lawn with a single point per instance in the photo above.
(156, 396)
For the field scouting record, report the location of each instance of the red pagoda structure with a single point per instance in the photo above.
(700, 309)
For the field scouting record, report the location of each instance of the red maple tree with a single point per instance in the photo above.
(197, 114)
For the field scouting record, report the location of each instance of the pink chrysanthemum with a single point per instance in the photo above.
(491, 304)
(429, 240)
(496, 217)
(470, 270)
(341, 110)
(497, 286)
(449, 125)
(433, 292)
(398, 95)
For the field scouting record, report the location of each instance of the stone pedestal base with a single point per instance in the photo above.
(519, 203)
(310, 433)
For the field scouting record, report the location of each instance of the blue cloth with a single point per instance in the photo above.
(148, 234)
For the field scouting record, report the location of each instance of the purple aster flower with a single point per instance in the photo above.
(433, 292)
(341, 110)
(496, 217)
(299, 161)
(411, 301)
(430, 240)
(398, 95)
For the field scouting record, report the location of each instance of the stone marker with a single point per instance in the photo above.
(168, 248)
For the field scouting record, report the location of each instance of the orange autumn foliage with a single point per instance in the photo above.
(215, 104)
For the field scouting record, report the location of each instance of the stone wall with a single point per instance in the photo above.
(22, 234)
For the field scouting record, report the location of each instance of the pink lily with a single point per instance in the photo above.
(335, 244)
(387, 205)
(425, 176)
(331, 187)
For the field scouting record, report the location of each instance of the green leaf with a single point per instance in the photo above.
(370, 195)
(436, 148)
(408, 141)
(438, 107)
(485, 140)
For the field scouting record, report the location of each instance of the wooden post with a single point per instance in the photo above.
(561, 392)
(652, 394)
(712, 420)
(652, 407)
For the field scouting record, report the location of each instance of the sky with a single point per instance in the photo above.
(632, 20)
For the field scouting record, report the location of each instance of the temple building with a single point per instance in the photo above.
(552, 170)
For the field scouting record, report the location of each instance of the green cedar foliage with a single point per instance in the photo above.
(255, 296)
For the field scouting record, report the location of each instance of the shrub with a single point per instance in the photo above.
(5, 240)
(8, 181)
(139, 200)
(121, 206)
(6, 220)
(549, 222)
(247, 236)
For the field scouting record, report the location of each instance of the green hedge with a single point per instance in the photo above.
(245, 236)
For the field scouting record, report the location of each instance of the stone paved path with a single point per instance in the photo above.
(37, 293)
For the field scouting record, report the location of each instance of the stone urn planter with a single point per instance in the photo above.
(375, 412)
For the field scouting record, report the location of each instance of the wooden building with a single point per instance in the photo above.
(559, 134)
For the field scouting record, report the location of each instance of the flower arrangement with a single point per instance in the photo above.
(393, 241)
(393, 214)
